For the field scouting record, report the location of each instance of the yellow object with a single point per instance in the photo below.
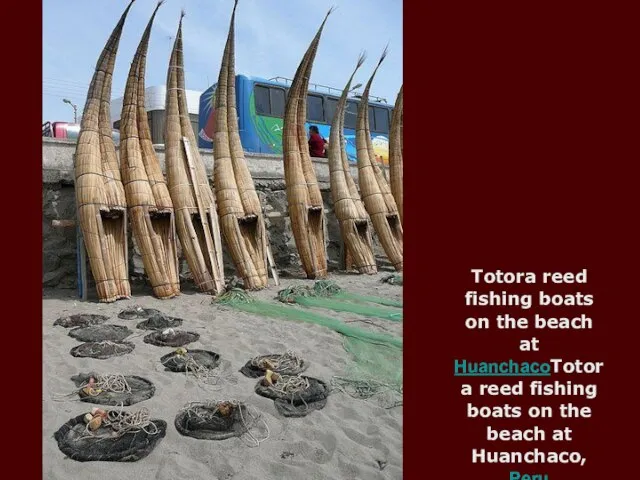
(95, 423)
(87, 418)
(271, 377)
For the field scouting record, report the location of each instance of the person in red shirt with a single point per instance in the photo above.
(317, 143)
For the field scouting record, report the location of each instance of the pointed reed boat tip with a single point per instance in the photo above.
(361, 59)
(331, 10)
(160, 2)
(384, 54)
(183, 12)
(233, 12)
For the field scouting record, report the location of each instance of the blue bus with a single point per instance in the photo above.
(261, 105)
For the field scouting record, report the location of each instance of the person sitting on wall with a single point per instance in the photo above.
(317, 143)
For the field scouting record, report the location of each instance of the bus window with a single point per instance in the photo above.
(372, 120)
(263, 105)
(382, 119)
(269, 101)
(330, 108)
(351, 115)
(277, 102)
(315, 110)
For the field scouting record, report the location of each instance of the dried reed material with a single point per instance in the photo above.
(376, 193)
(148, 201)
(100, 197)
(306, 209)
(395, 153)
(347, 205)
(241, 220)
(193, 201)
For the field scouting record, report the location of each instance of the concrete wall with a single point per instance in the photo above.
(58, 214)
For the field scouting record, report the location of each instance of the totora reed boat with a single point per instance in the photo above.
(306, 209)
(375, 190)
(347, 205)
(193, 201)
(149, 205)
(241, 220)
(100, 197)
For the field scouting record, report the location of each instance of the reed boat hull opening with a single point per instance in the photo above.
(248, 219)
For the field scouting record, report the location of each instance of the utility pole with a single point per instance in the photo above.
(75, 109)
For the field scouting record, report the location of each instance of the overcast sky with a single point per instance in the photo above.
(271, 38)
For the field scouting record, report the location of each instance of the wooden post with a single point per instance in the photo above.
(81, 255)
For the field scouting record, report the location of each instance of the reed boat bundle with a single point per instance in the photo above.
(100, 197)
(347, 205)
(375, 190)
(306, 209)
(241, 220)
(193, 201)
(395, 153)
(149, 205)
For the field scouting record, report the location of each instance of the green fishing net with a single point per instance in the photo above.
(375, 369)
(327, 294)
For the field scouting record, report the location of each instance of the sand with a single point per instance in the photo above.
(348, 439)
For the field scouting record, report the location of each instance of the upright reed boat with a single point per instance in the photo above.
(395, 153)
(149, 205)
(241, 220)
(194, 205)
(100, 198)
(375, 190)
(347, 205)
(306, 209)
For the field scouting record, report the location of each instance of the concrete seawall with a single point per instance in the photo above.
(58, 214)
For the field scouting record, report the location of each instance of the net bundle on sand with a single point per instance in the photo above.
(100, 333)
(100, 198)
(110, 435)
(159, 321)
(102, 350)
(395, 153)
(241, 220)
(171, 338)
(327, 294)
(306, 208)
(293, 395)
(183, 360)
(112, 389)
(193, 201)
(149, 204)
(376, 194)
(204, 366)
(80, 320)
(347, 204)
(375, 358)
(220, 420)
(288, 363)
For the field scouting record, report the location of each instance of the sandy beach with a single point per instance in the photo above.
(348, 439)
